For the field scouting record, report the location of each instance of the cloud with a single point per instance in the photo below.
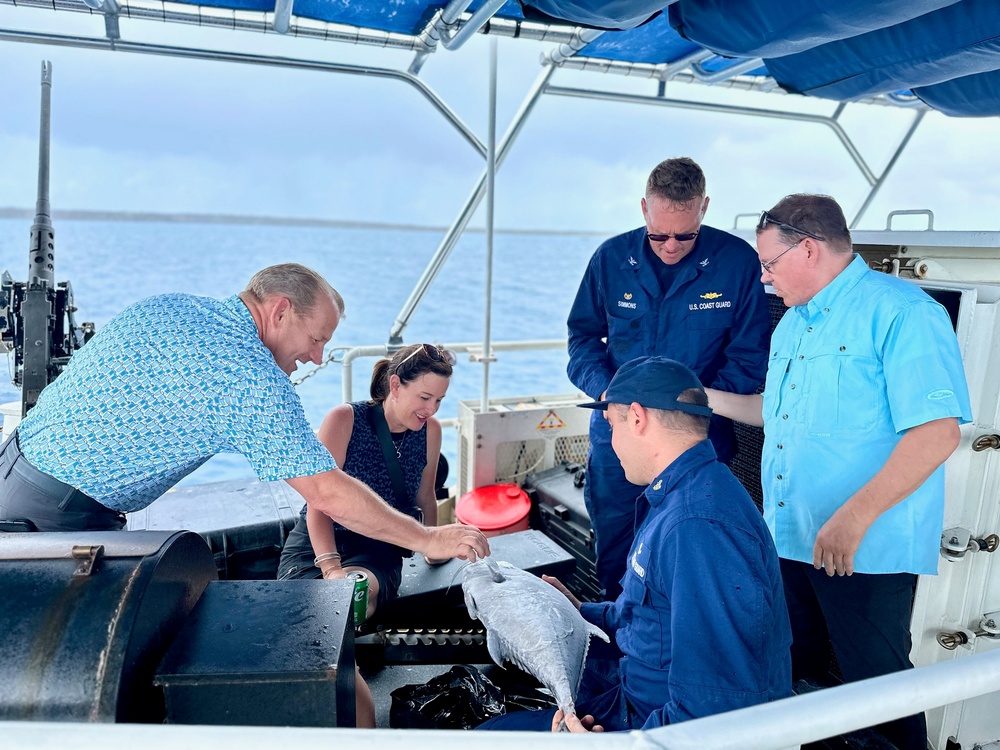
(150, 133)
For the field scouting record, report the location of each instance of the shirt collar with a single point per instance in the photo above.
(690, 460)
(241, 313)
(842, 283)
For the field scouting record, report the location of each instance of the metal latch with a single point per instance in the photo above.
(986, 442)
(989, 627)
(86, 557)
(957, 541)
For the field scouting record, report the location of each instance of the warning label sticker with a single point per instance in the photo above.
(551, 422)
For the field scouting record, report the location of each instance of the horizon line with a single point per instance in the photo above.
(83, 214)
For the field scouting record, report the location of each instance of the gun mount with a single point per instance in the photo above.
(37, 316)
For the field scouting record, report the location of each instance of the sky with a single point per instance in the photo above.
(143, 133)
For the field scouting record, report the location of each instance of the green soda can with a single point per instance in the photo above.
(360, 595)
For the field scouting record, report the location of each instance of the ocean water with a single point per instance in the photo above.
(113, 264)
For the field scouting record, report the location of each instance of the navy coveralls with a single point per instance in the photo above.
(702, 623)
(713, 317)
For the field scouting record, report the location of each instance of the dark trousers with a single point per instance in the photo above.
(865, 618)
(43, 503)
(612, 503)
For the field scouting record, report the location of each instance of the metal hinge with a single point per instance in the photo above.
(86, 557)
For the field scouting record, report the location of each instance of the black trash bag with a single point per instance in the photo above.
(461, 698)
(526, 698)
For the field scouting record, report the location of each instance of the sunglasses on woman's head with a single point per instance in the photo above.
(435, 353)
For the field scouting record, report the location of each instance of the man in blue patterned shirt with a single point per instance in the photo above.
(864, 395)
(175, 379)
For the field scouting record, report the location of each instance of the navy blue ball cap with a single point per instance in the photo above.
(653, 382)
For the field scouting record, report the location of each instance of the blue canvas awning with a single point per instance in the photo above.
(942, 53)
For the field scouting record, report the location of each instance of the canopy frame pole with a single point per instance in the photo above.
(888, 167)
(491, 138)
(457, 228)
(192, 53)
(831, 121)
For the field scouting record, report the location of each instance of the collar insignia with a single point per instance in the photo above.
(658, 485)
(632, 261)
(704, 263)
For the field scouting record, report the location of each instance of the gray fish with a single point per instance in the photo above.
(531, 624)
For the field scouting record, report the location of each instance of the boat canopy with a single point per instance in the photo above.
(938, 54)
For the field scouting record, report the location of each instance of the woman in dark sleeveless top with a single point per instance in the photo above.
(406, 392)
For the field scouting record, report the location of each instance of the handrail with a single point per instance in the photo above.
(770, 726)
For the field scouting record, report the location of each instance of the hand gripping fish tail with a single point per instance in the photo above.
(530, 624)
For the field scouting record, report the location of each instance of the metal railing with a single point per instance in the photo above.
(771, 726)
(474, 350)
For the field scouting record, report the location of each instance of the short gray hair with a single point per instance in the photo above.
(300, 285)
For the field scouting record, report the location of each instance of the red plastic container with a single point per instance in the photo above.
(496, 509)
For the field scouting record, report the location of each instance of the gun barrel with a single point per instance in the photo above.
(41, 263)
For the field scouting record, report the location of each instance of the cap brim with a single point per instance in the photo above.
(602, 405)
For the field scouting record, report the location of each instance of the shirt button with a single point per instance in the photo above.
(843, 348)
(784, 416)
(781, 504)
(809, 329)
(793, 386)
(802, 356)
(826, 309)
(779, 476)
(780, 446)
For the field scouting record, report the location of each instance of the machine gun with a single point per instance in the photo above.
(37, 316)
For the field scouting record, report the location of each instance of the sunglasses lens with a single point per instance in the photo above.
(683, 237)
(439, 354)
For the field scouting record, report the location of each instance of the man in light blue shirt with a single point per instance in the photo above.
(864, 395)
(175, 379)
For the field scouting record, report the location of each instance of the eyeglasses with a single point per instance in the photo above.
(766, 218)
(681, 237)
(766, 266)
(435, 353)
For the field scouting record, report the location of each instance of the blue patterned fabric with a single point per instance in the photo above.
(168, 383)
(365, 461)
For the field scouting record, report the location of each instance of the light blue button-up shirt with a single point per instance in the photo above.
(869, 357)
(168, 383)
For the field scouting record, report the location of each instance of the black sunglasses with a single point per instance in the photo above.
(435, 353)
(766, 218)
(681, 237)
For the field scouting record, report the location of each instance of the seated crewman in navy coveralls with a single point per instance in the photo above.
(702, 570)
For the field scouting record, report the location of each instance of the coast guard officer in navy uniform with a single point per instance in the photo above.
(701, 625)
(674, 288)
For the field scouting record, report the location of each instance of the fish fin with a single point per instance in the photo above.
(470, 604)
(597, 632)
(494, 569)
(495, 646)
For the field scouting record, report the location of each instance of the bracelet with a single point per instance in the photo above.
(326, 556)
